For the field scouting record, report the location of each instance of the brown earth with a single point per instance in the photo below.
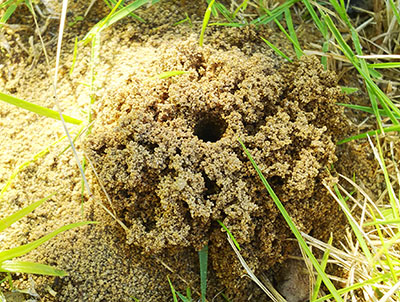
(166, 151)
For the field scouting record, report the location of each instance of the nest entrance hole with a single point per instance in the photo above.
(210, 128)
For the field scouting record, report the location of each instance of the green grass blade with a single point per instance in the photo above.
(395, 10)
(74, 56)
(230, 234)
(324, 262)
(385, 65)
(324, 59)
(387, 213)
(382, 222)
(182, 297)
(131, 14)
(375, 109)
(294, 229)
(388, 244)
(104, 23)
(168, 74)
(369, 133)
(26, 248)
(354, 226)
(9, 11)
(189, 294)
(224, 11)
(9, 220)
(375, 280)
(214, 10)
(292, 32)
(321, 26)
(203, 257)
(109, 3)
(6, 3)
(375, 74)
(389, 187)
(365, 109)
(43, 111)
(342, 43)
(227, 24)
(391, 114)
(367, 76)
(75, 21)
(172, 290)
(357, 46)
(295, 43)
(241, 6)
(206, 19)
(29, 6)
(276, 49)
(349, 90)
(10, 266)
(341, 10)
(94, 61)
(187, 19)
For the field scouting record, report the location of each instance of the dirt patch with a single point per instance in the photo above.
(167, 152)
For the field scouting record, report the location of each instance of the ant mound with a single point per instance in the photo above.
(166, 150)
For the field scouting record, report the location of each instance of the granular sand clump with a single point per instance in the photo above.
(167, 152)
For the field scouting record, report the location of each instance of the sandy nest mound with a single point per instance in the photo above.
(167, 151)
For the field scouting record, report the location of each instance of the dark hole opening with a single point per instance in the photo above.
(149, 225)
(101, 151)
(276, 180)
(145, 209)
(123, 194)
(210, 128)
(211, 186)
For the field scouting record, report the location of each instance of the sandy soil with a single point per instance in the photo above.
(104, 262)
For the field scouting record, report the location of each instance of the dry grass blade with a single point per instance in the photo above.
(390, 293)
(373, 57)
(268, 288)
(343, 258)
(310, 270)
(112, 214)
(55, 80)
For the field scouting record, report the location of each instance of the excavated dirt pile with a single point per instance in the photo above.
(167, 152)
